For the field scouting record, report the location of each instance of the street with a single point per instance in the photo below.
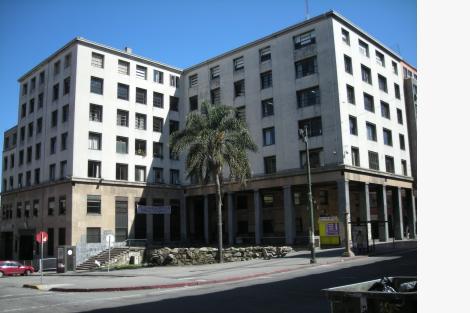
(296, 291)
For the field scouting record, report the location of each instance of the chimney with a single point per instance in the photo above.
(128, 49)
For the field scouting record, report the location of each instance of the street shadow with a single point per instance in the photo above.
(301, 294)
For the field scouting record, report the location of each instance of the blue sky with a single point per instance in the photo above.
(180, 33)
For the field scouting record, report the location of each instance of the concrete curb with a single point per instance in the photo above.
(188, 283)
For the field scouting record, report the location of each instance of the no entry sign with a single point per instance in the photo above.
(41, 237)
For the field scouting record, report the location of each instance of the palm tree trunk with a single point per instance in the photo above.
(219, 217)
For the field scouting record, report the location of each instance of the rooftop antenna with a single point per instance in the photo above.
(306, 10)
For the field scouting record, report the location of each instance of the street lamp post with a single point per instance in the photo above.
(304, 134)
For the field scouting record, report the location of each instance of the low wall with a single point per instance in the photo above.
(209, 255)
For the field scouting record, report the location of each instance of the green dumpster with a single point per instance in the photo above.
(356, 298)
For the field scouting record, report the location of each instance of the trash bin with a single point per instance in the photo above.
(357, 298)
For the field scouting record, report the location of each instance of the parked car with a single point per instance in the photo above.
(14, 268)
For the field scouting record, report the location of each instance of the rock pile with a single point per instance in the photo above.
(208, 255)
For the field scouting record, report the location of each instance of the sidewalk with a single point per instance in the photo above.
(185, 276)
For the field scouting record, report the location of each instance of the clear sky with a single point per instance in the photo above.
(179, 32)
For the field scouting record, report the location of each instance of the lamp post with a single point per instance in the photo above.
(304, 134)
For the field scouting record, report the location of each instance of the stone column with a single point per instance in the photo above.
(230, 218)
(411, 213)
(183, 219)
(166, 228)
(258, 217)
(397, 214)
(343, 208)
(383, 212)
(289, 218)
(365, 209)
(206, 219)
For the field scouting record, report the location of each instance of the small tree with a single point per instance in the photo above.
(215, 138)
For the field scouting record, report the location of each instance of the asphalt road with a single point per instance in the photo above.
(298, 291)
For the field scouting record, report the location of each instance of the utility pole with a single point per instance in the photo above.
(306, 10)
(304, 134)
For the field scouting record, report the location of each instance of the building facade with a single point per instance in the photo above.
(101, 118)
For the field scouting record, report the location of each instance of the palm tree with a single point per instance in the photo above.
(215, 138)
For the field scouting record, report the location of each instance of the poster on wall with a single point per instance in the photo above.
(332, 229)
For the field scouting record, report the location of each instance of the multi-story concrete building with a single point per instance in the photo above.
(101, 117)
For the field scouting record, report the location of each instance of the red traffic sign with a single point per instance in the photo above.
(41, 237)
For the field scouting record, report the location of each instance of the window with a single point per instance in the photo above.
(355, 156)
(215, 96)
(140, 121)
(266, 79)
(22, 133)
(158, 150)
(215, 72)
(97, 60)
(304, 39)
(395, 67)
(174, 126)
(56, 68)
(157, 124)
(94, 169)
(23, 110)
(53, 145)
(93, 205)
(307, 97)
(67, 60)
(12, 156)
(369, 103)
(96, 85)
(306, 67)
(265, 54)
(123, 67)
(94, 141)
(323, 196)
(397, 91)
(96, 113)
(123, 91)
(174, 103)
(238, 64)
(385, 108)
(140, 175)
(63, 169)
(54, 118)
(239, 88)
(366, 74)
(62, 236)
(193, 80)
(174, 81)
(31, 105)
(141, 72)
(63, 141)
(348, 64)
(314, 158)
(29, 154)
(380, 58)
(21, 157)
(363, 48)
(158, 76)
(350, 94)
(371, 131)
(93, 235)
(267, 107)
(122, 118)
(174, 155)
(140, 95)
(387, 137)
(157, 174)
(345, 36)
(270, 164)
(50, 206)
(42, 77)
(122, 144)
(193, 103)
(28, 178)
(174, 177)
(55, 92)
(269, 136)
(37, 152)
(352, 125)
(66, 86)
(314, 126)
(404, 169)
(382, 83)
(140, 147)
(402, 142)
(62, 205)
(373, 160)
(65, 113)
(40, 100)
(35, 208)
(158, 99)
(121, 171)
(5, 163)
(399, 117)
(389, 164)
(30, 129)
